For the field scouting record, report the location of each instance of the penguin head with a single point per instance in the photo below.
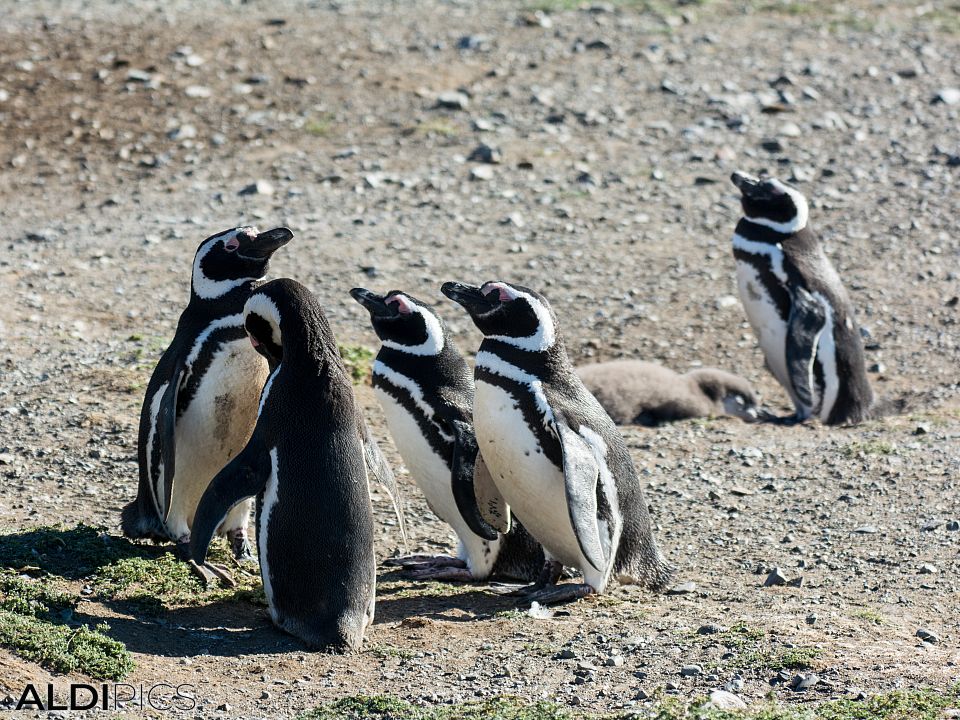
(261, 319)
(512, 314)
(771, 203)
(402, 322)
(231, 258)
(730, 394)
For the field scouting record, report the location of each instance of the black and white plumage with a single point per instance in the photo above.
(798, 306)
(201, 401)
(645, 393)
(425, 388)
(307, 463)
(554, 455)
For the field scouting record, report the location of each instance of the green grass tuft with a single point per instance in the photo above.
(358, 361)
(72, 553)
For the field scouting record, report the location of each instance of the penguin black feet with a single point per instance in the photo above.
(433, 567)
(209, 573)
(549, 576)
(139, 526)
(240, 545)
(568, 592)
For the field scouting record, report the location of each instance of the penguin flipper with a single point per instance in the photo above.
(167, 432)
(243, 477)
(462, 478)
(492, 505)
(806, 322)
(379, 469)
(581, 474)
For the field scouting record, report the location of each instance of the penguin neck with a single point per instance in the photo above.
(310, 343)
(397, 356)
(537, 362)
(229, 302)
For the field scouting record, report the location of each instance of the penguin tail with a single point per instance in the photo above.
(136, 525)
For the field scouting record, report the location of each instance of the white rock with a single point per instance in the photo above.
(948, 96)
(198, 91)
(723, 700)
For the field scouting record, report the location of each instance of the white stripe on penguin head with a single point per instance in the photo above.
(207, 288)
(797, 223)
(546, 333)
(262, 305)
(433, 345)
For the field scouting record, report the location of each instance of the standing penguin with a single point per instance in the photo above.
(425, 388)
(306, 463)
(797, 305)
(201, 401)
(554, 455)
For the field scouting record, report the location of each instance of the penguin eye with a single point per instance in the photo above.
(232, 244)
(403, 307)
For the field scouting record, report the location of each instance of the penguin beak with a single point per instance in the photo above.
(373, 303)
(751, 187)
(263, 245)
(470, 297)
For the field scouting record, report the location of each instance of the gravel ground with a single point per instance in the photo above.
(131, 134)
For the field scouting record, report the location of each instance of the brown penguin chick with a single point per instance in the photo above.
(644, 393)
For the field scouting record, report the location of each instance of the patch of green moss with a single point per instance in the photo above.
(72, 553)
(358, 360)
(363, 707)
(33, 614)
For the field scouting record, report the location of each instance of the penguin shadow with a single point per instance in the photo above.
(400, 598)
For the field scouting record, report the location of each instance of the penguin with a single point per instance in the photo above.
(555, 457)
(634, 392)
(307, 463)
(425, 388)
(797, 305)
(201, 401)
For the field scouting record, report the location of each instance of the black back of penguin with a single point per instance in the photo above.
(318, 549)
(776, 214)
(305, 460)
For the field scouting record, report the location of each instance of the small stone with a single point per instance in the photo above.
(790, 129)
(866, 530)
(930, 525)
(197, 91)
(928, 569)
(723, 700)
(710, 629)
(223, 708)
(921, 429)
(641, 694)
(485, 154)
(877, 368)
(265, 695)
(773, 145)
(140, 76)
(453, 100)
(260, 187)
(566, 654)
(615, 661)
(184, 132)
(799, 683)
(928, 636)
(812, 619)
(795, 582)
(947, 96)
(683, 589)
(481, 172)
(726, 301)
(776, 577)
(953, 525)
(691, 670)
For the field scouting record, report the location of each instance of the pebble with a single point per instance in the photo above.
(776, 577)
(723, 700)
(953, 525)
(691, 670)
(566, 654)
(184, 132)
(710, 629)
(726, 301)
(801, 682)
(483, 153)
(928, 569)
(682, 588)
(260, 187)
(481, 172)
(197, 91)
(453, 100)
(947, 96)
(928, 636)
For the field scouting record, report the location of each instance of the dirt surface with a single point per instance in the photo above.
(129, 134)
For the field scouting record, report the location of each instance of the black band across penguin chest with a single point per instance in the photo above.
(211, 345)
(522, 369)
(762, 263)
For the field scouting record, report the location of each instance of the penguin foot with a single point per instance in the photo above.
(210, 573)
(549, 576)
(240, 545)
(416, 561)
(568, 592)
(449, 574)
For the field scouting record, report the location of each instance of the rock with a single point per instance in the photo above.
(726, 301)
(723, 700)
(928, 569)
(566, 654)
(691, 670)
(801, 682)
(453, 100)
(928, 636)
(947, 96)
(485, 154)
(923, 429)
(710, 629)
(481, 172)
(197, 91)
(812, 619)
(790, 129)
(953, 525)
(776, 577)
(140, 76)
(866, 530)
(615, 661)
(184, 132)
(682, 588)
(260, 187)
(930, 525)
(773, 145)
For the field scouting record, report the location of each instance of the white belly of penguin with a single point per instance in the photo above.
(530, 483)
(433, 476)
(768, 326)
(215, 426)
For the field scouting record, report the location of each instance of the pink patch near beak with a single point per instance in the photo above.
(253, 341)
(403, 304)
(232, 244)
